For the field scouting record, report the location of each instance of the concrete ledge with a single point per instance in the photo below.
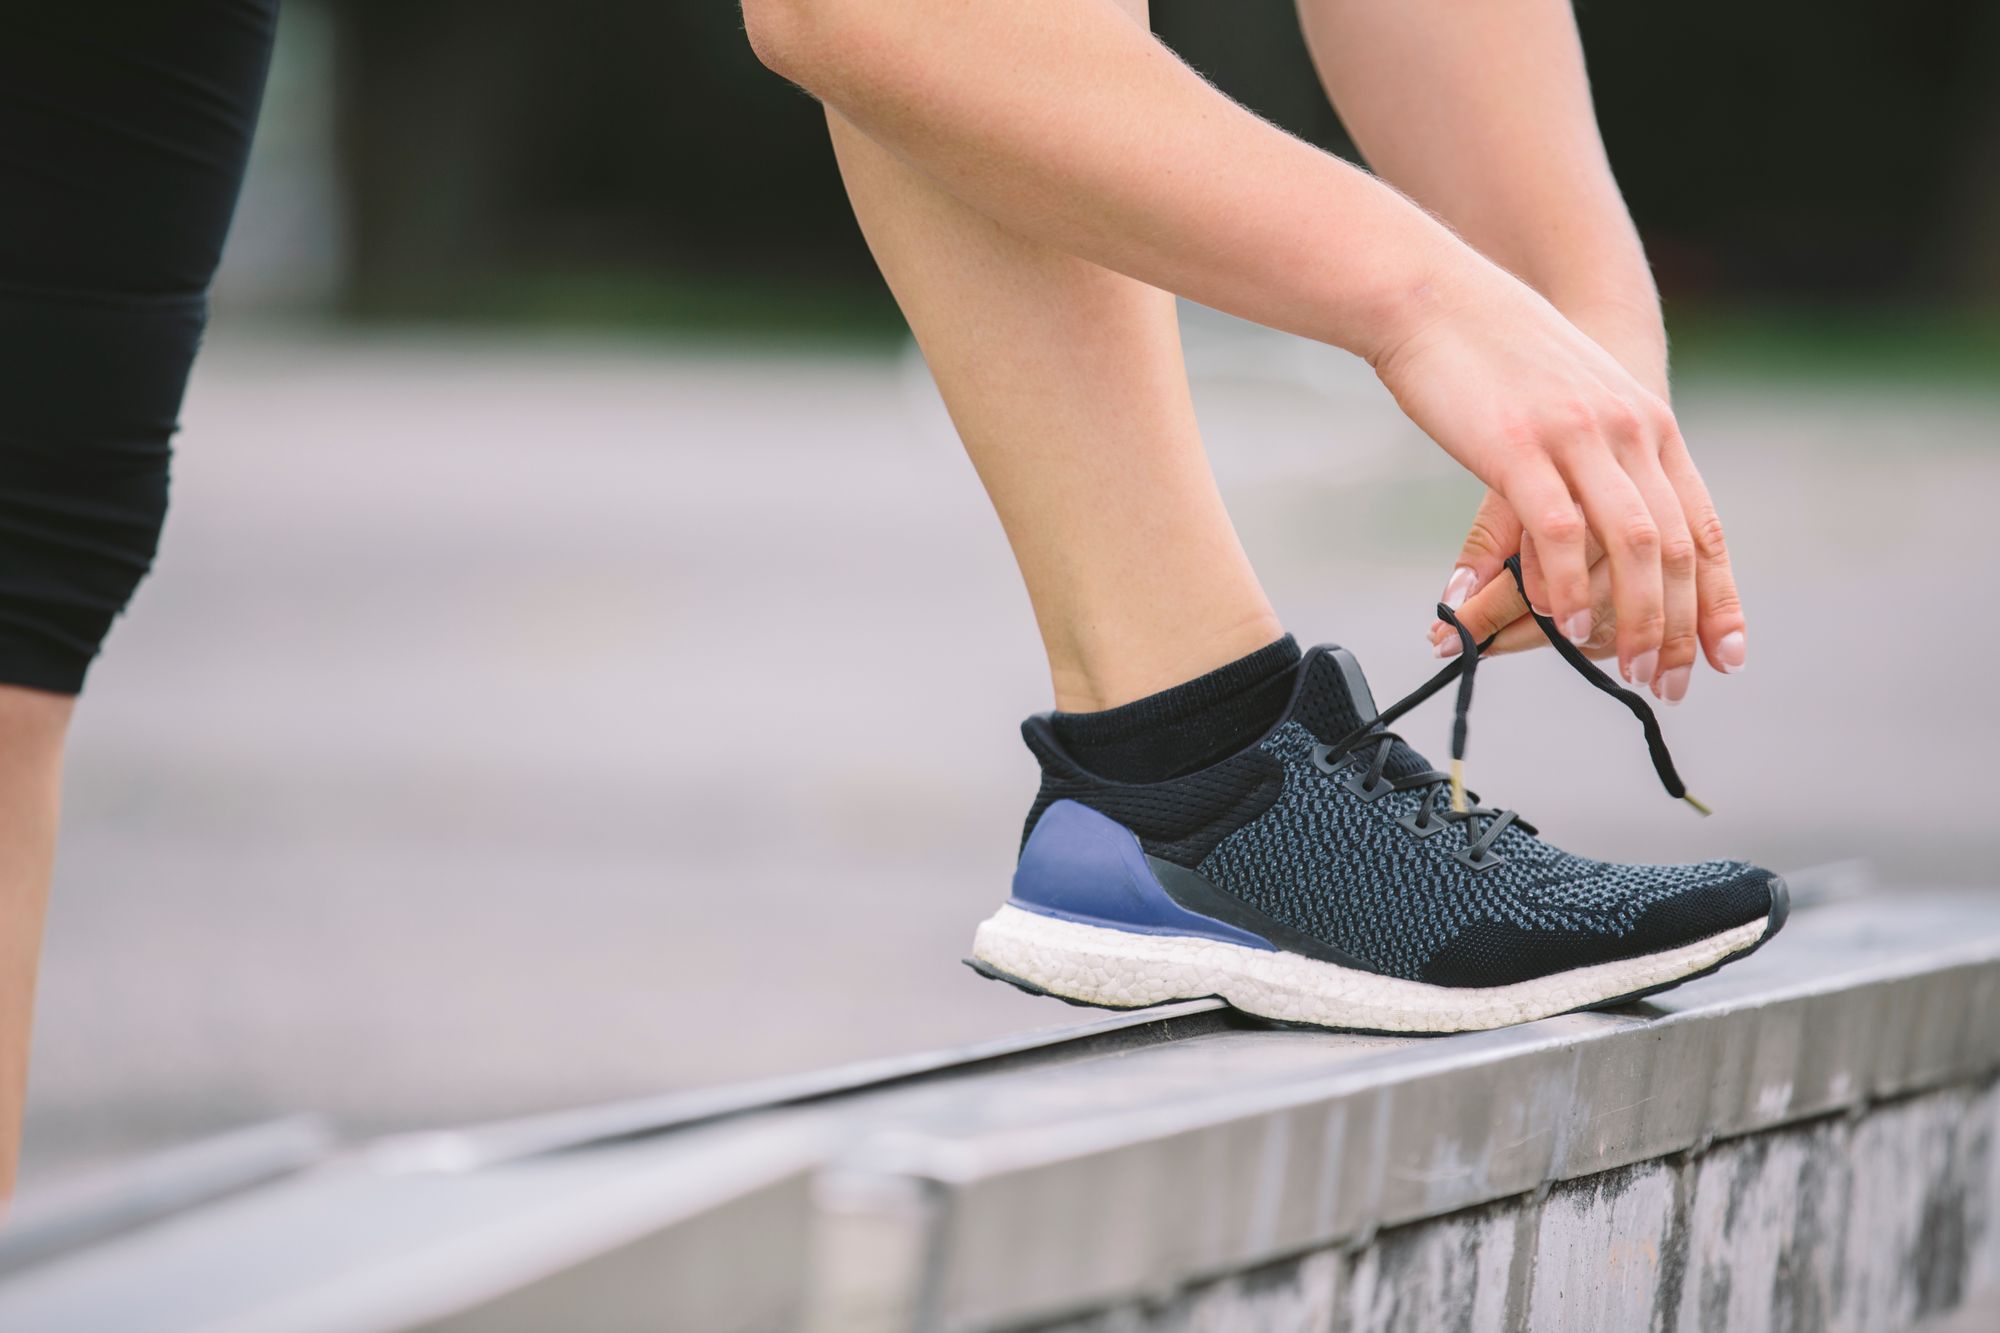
(654, 1240)
(1809, 1133)
(1840, 1225)
(1217, 1154)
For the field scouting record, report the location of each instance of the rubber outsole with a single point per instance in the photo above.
(1079, 979)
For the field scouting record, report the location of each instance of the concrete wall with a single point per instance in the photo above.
(1854, 1224)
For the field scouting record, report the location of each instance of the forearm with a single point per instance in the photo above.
(1481, 112)
(1070, 124)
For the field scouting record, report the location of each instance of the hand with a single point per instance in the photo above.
(1490, 605)
(1621, 547)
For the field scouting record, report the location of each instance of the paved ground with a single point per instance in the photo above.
(514, 726)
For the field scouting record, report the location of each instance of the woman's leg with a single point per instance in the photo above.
(124, 130)
(1236, 828)
(32, 726)
(1065, 121)
(1066, 383)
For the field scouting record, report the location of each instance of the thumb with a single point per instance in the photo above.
(1495, 535)
(1488, 611)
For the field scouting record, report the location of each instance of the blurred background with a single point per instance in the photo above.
(581, 663)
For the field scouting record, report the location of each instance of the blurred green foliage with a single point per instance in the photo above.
(631, 163)
(1775, 341)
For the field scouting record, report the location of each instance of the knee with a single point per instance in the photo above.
(804, 40)
(776, 29)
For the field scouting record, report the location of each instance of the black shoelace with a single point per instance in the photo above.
(1484, 826)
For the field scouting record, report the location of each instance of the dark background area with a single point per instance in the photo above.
(632, 162)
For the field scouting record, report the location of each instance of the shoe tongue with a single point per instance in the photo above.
(1334, 702)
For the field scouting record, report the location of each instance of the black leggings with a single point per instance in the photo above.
(124, 128)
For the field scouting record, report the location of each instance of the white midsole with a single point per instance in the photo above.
(1124, 969)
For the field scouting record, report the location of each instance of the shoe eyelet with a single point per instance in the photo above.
(1432, 829)
(1356, 782)
(1486, 862)
(1319, 758)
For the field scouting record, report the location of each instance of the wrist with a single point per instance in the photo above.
(1441, 275)
(1625, 320)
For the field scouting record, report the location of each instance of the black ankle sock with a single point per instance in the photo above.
(1187, 727)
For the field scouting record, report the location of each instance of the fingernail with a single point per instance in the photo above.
(1732, 652)
(1674, 685)
(1644, 665)
(1449, 648)
(1577, 627)
(1459, 587)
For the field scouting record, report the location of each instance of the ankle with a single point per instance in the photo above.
(1187, 726)
(1094, 670)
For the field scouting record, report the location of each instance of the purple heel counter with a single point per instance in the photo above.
(1082, 866)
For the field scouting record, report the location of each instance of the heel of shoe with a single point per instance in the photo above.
(1082, 866)
(1086, 964)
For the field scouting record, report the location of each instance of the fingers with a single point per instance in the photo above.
(1491, 609)
(1719, 609)
(1630, 534)
(1677, 627)
(1664, 591)
(1524, 635)
(1531, 577)
(1666, 665)
(1541, 499)
(1497, 607)
(1495, 535)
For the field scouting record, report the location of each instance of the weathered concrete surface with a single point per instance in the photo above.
(1461, 1276)
(1885, 1221)
(1298, 1297)
(705, 1231)
(1600, 1252)
(1087, 1186)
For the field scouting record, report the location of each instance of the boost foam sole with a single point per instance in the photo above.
(1121, 969)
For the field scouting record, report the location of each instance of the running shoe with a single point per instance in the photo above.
(1328, 875)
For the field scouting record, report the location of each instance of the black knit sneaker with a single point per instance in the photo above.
(1322, 876)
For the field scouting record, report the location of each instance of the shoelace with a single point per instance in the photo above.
(1427, 819)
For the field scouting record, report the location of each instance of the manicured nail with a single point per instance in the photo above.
(1577, 627)
(1460, 587)
(1448, 648)
(1644, 665)
(1674, 684)
(1732, 652)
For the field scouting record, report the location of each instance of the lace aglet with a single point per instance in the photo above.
(1699, 807)
(1458, 786)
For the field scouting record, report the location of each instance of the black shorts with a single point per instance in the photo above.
(124, 129)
